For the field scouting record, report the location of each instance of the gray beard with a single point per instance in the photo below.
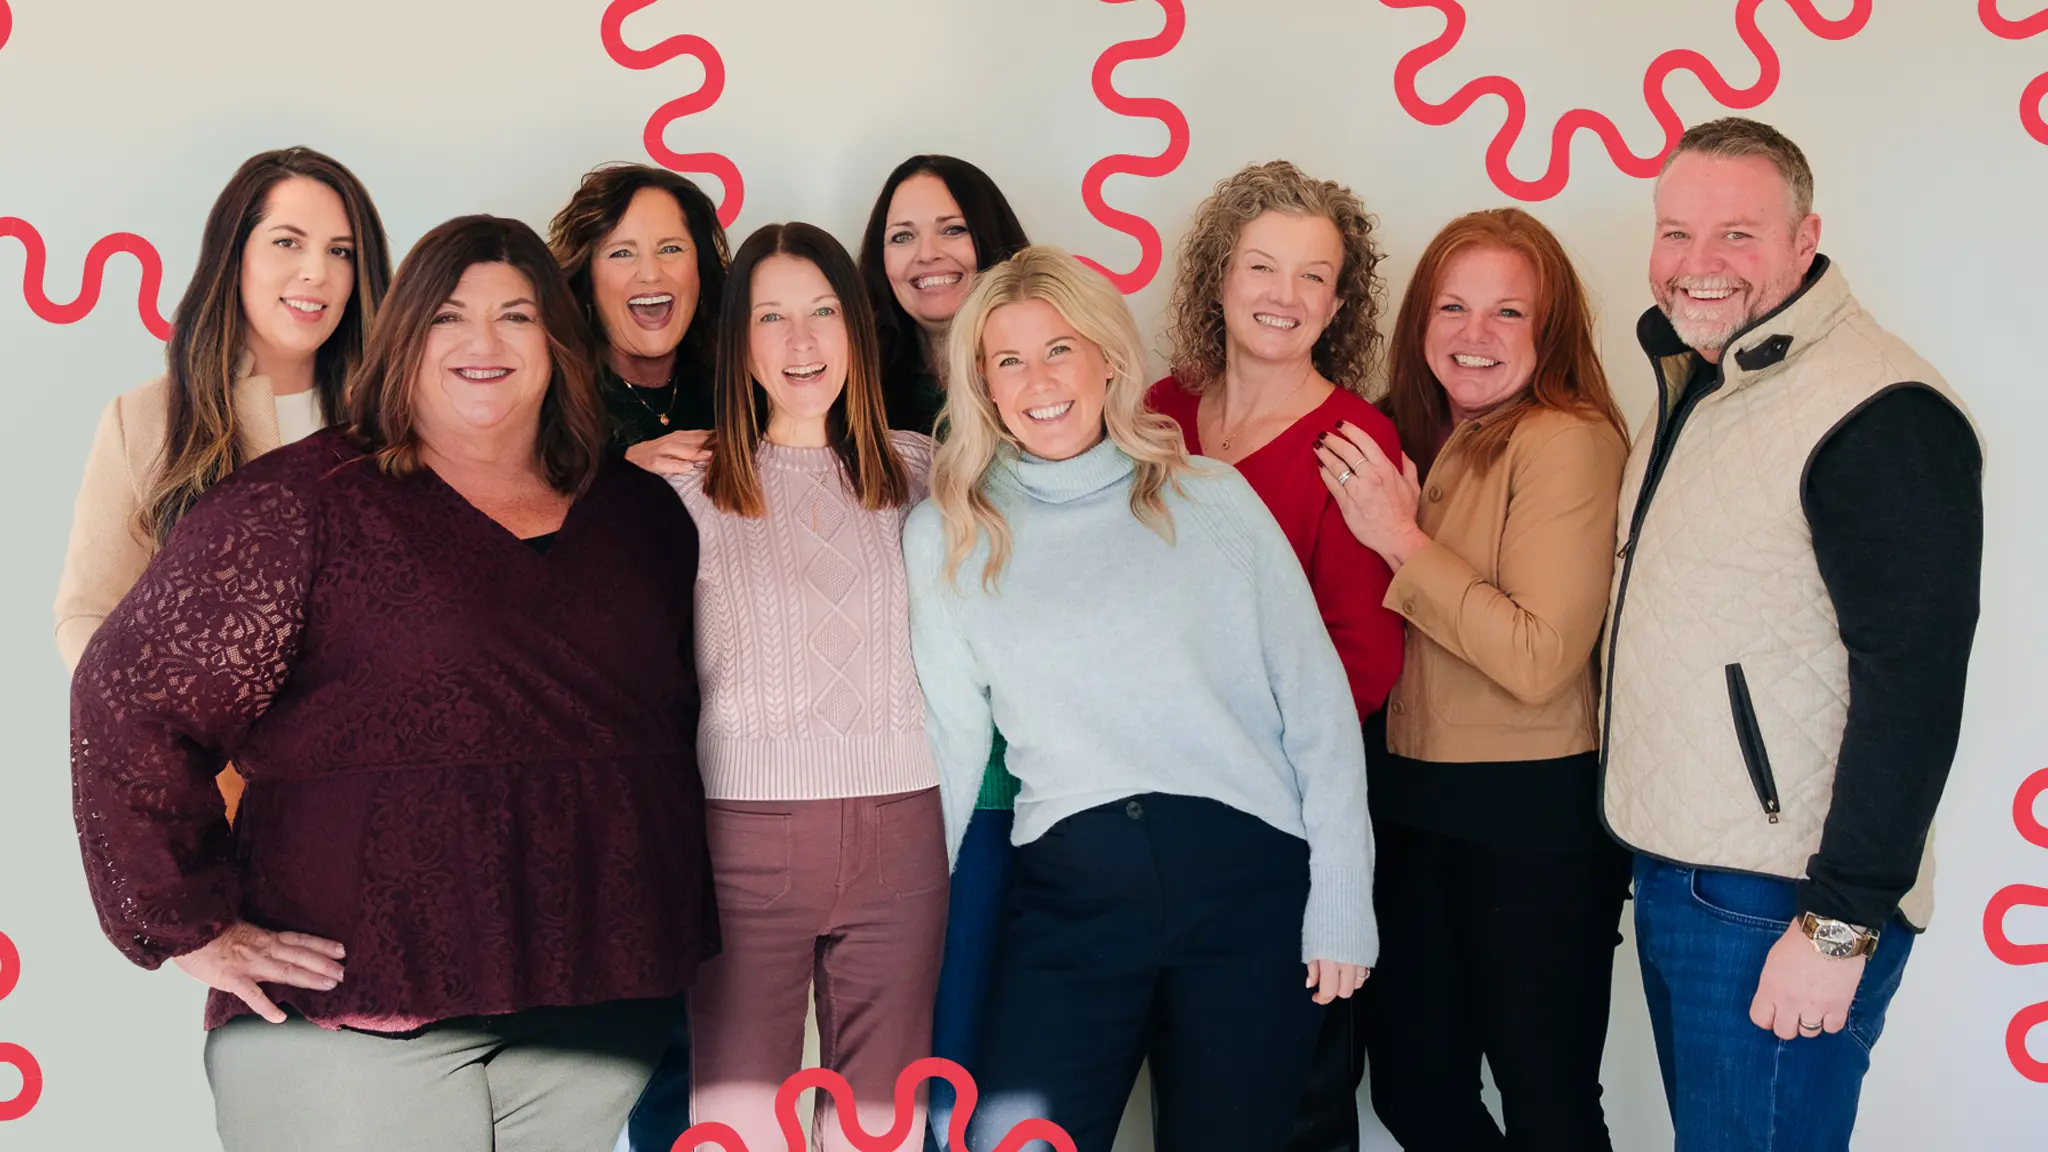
(1702, 336)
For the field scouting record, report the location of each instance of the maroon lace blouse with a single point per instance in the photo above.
(470, 763)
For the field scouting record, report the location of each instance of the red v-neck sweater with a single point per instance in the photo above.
(470, 763)
(1349, 580)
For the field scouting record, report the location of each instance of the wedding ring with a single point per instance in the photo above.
(1344, 478)
(1805, 1027)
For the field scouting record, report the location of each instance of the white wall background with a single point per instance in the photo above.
(130, 114)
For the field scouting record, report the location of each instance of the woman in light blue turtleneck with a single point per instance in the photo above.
(1191, 824)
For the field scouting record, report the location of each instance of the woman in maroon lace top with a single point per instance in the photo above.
(450, 648)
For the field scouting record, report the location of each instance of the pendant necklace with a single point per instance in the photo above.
(636, 388)
(1264, 410)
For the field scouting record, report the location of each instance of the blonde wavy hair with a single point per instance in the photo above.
(972, 431)
(1347, 350)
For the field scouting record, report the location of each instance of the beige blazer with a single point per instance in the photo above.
(109, 549)
(1504, 607)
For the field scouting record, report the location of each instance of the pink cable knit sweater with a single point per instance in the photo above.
(803, 636)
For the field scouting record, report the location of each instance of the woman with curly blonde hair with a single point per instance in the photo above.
(1273, 333)
(1188, 835)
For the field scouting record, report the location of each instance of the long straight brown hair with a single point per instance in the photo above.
(857, 424)
(991, 226)
(382, 414)
(1568, 376)
(208, 330)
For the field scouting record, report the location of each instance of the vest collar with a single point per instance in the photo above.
(1770, 342)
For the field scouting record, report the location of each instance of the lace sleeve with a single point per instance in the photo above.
(184, 663)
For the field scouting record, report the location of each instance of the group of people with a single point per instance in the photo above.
(524, 685)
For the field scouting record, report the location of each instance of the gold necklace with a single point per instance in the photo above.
(1224, 444)
(634, 390)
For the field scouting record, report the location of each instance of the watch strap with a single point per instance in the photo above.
(1866, 938)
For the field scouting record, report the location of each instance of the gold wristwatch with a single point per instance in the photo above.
(1836, 938)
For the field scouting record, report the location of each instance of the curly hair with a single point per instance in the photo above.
(1347, 350)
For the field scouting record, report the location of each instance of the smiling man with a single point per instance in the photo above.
(1801, 531)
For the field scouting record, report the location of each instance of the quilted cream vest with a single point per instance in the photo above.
(1728, 687)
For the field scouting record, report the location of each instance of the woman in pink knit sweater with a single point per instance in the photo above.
(826, 836)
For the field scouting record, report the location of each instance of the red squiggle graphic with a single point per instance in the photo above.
(96, 259)
(2023, 1061)
(2030, 829)
(10, 974)
(2037, 91)
(52, 312)
(1642, 167)
(2022, 896)
(31, 1083)
(2004, 901)
(10, 956)
(930, 1068)
(1166, 112)
(707, 94)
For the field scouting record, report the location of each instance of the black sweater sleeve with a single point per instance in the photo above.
(1895, 502)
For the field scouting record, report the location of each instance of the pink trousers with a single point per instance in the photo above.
(847, 897)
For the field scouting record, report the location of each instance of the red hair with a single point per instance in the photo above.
(1568, 376)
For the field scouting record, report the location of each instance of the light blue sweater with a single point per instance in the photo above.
(1116, 663)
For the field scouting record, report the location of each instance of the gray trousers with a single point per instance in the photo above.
(543, 1080)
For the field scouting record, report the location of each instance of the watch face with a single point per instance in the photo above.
(1835, 938)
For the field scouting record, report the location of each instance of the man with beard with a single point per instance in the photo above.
(1800, 535)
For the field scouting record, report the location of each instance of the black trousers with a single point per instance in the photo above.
(1160, 927)
(1506, 953)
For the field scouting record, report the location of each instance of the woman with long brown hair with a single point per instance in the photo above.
(646, 256)
(823, 804)
(292, 266)
(1499, 890)
(449, 645)
(938, 223)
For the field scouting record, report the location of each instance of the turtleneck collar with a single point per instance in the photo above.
(1061, 481)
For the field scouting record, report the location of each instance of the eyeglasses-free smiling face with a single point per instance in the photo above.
(643, 277)
(1728, 249)
(1481, 339)
(1280, 291)
(927, 251)
(487, 366)
(1047, 381)
(797, 347)
(298, 270)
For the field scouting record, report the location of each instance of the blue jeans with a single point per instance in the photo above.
(1732, 1086)
(973, 915)
(663, 1111)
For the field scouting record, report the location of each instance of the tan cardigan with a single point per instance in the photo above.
(109, 549)
(1504, 607)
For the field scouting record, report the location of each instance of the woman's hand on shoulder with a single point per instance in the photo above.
(673, 454)
(244, 956)
(1378, 498)
(1331, 980)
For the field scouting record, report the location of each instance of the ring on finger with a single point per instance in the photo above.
(1805, 1027)
(1344, 478)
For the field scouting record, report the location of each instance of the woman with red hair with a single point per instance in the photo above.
(1498, 891)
